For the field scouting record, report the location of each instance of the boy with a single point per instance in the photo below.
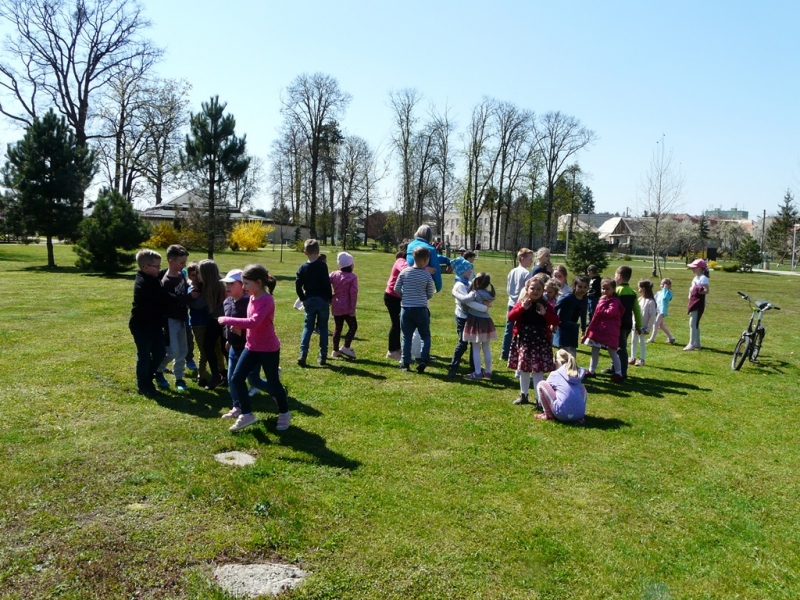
(314, 290)
(147, 319)
(632, 313)
(177, 292)
(571, 309)
(415, 287)
(515, 283)
(594, 289)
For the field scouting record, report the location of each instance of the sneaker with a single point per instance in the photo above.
(649, 341)
(486, 374)
(301, 361)
(283, 421)
(149, 392)
(191, 365)
(521, 399)
(180, 385)
(404, 367)
(689, 348)
(162, 381)
(215, 382)
(617, 378)
(639, 363)
(473, 376)
(242, 422)
(335, 354)
(322, 360)
(452, 373)
(608, 371)
(589, 375)
(671, 341)
(631, 361)
(232, 413)
(348, 352)
(396, 355)
(421, 367)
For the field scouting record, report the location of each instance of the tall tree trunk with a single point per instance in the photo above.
(51, 260)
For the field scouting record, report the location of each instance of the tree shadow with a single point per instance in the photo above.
(348, 370)
(648, 387)
(306, 442)
(128, 276)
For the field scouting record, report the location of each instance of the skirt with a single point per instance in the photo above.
(477, 330)
(531, 352)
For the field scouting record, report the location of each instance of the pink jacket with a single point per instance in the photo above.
(399, 265)
(606, 322)
(258, 323)
(345, 293)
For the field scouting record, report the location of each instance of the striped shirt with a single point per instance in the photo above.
(415, 287)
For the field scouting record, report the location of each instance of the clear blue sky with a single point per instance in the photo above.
(718, 79)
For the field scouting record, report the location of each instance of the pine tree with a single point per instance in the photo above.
(779, 233)
(586, 248)
(748, 253)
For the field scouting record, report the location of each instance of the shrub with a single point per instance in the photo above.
(163, 236)
(299, 245)
(731, 268)
(585, 249)
(249, 236)
(712, 264)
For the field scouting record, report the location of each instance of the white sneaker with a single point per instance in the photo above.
(283, 421)
(396, 355)
(335, 354)
(253, 392)
(348, 352)
(242, 422)
(232, 414)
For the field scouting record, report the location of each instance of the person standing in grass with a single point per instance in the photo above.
(392, 302)
(594, 294)
(631, 319)
(177, 292)
(531, 350)
(647, 307)
(214, 294)
(479, 328)
(343, 306)
(663, 298)
(415, 287)
(515, 283)
(262, 348)
(463, 270)
(571, 309)
(698, 290)
(563, 395)
(604, 328)
(313, 287)
(543, 264)
(147, 320)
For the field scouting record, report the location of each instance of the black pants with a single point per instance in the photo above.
(460, 348)
(212, 338)
(393, 306)
(622, 351)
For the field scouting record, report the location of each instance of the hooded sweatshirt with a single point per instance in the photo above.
(570, 402)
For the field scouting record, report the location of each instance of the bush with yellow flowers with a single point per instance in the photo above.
(249, 236)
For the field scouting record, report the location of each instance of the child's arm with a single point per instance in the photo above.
(354, 296)
(298, 285)
(261, 311)
(469, 299)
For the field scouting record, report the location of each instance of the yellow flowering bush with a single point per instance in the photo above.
(249, 236)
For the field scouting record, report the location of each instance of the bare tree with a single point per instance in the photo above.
(557, 137)
(442, 196)
(356, 162)
(243, 190)
(288, 160)
(64, 52)
(481, 165)
(403, 103)
(312, 101)
(661, 193)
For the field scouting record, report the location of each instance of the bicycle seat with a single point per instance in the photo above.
(762, 304)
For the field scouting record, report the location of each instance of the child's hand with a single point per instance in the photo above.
(540, 308)
(488, 302)
(526, 304)
(219, 320)
(639, 330)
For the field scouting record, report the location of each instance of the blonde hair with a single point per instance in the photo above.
(564, 358)
(541, 252)
(523, 295)
(523, 252)
(552, 285)
(542, 276)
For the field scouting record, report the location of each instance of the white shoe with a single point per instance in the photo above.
(283, 421)
(348, 352)
(396, 355)
(335, 354)
(232, 414)
(242, 422)
(253, 392)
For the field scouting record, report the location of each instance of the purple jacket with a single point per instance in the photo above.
(606, 322)
(570, 402)
(345, 293)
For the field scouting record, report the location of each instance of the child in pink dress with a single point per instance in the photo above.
(603, 330)
(343, 305)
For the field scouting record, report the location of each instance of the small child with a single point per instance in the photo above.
(461, 292)
(214, 294)
(563, 395)
(698, 290)
(177, 291)
(343, 306)
(663, 298)
(594, 293)
(313, 286)
(147, 320)
(551, 290)
(480, 329)
(198, 320)
(543, 264)
(531, 350)
(631, 319)
(263, 348)
(515, 283)
(560, 275)
(604, 328)
(415, 287)
(648, 310)
(570, 309)
(392, 303)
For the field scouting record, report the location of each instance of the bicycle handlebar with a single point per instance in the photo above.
(767, 307)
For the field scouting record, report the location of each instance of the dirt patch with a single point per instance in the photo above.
(251, 581)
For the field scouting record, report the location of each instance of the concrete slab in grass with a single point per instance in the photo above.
(235, 458)
(251, 581)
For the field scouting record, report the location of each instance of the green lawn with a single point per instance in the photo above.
(683, 483)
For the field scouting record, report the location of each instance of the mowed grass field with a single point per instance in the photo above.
(683, 483)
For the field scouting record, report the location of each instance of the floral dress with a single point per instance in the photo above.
(531, 348)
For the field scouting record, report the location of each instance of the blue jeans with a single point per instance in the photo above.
(317, 311)
(460, 348)
(252, 378)
(507, 335)
(250, 361)
(419, 318)
(150, 351)
(591, 304)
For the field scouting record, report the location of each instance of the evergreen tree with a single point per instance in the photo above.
(586, 248)
(48, 173)
(214, 156)
(779, 233)
(748, 253)
(587, 201)
(113, 228)
(703, 229)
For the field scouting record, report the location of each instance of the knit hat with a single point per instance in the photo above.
(344, 259)
(461, 266)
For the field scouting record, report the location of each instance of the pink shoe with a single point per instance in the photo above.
(232, 414)
(348, 352)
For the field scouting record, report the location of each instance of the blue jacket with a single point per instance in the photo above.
(434, 262)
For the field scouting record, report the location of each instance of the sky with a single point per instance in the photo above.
(717, 80)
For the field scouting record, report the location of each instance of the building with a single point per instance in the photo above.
(454, 232)
(727, 215)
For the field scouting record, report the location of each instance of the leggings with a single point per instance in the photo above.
(660, 325)
(487, 355)
(596, 357)
(338, 325)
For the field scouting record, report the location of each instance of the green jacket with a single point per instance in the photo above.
(628, 298)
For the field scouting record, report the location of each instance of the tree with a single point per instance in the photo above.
(214, 156)
(586, 248)
(64, 52)
(703, 229)
(661, 192)
(557, 137)
(748, 253)
(481, 164)
(109, 234)
(779, 232)
(587, 201)
(730, 236)
(442, 196)
(403, 104)
(48, 172)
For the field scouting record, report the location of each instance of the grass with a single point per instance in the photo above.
(681, 484)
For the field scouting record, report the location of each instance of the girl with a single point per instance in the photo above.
(560, 275)
(543, 264)
(563, 396)
(479, 328)
(551, 291)
(262, 348)
(697, 302)
(461, 286)
(214, 294)
(531, 352)
(663, 298)
(603, 330)
(570, 309)
(392, 302)
(343, 305)
(647, 306)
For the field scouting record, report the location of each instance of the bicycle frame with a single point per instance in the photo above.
(751, 340)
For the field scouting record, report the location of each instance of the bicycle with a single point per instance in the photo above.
(750, 342)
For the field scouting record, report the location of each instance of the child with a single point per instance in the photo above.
(176, 290)
(631, 317)
(563, 395)
(594, 289)
(263, 348)
(214, 294)
(515, 283)
(147, 320)
(543, 264)
(560, 275)
(461, 292)
(343, 306)
(698, 290)
(198, 320)
(479, 328)
(647, 308)
(531, 352)
(392, 302)
(604, 329)
(551, 290)
(570, 309)
(415, 287)
(663, 298)
(313, 288)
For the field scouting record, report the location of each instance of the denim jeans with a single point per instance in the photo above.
(249, 361)
(252, 378)
(177, 349)
(508, 334)
(622, 351)
(317, 312)
(461, 347)
(150, 351)
(416, 318)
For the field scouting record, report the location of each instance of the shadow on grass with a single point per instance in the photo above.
(348, 370)
(211, 405)
(304, 441)
(56, 269)
(764, 366)
(602, 423)
(645, 386)
(128, 276)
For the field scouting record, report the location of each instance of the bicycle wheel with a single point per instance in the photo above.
(741, 352)
(759, 339)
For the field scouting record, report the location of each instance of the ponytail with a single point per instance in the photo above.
(564, 358)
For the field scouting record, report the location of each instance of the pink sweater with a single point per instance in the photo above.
(345, 293)
(606, 322)
(258, 323)
(399, 265)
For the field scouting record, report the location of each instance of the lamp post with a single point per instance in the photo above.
(794, 243)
